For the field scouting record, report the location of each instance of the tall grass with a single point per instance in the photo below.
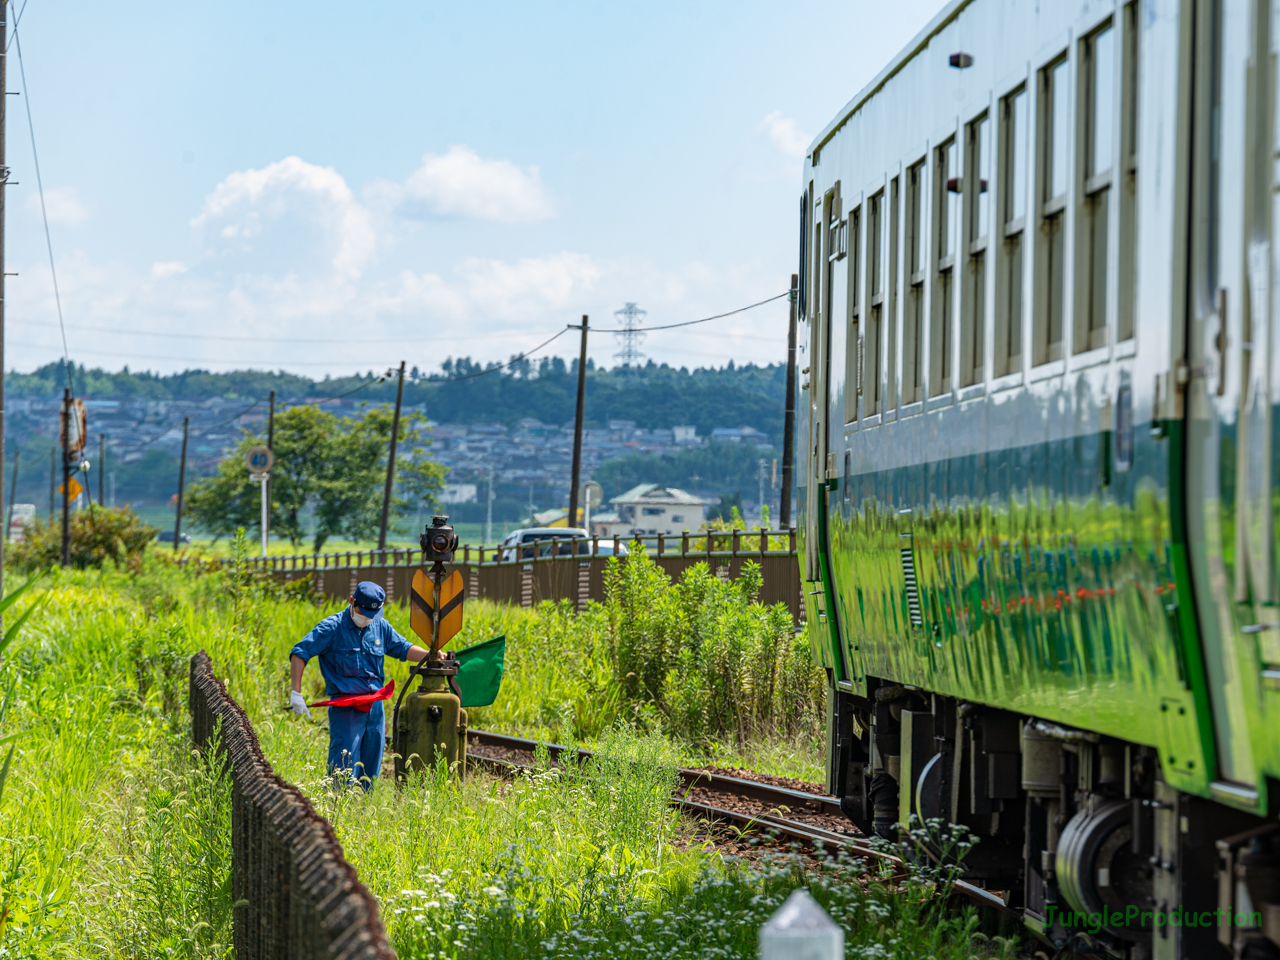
(114, 839)
(700, 660)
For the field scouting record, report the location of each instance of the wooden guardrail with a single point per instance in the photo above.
(553, 570)
(297, 897)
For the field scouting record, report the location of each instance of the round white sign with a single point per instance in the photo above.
(592, 494)
(259, 460)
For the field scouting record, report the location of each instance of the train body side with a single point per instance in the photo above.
(1081, 544)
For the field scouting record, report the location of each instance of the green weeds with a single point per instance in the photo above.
(114, 837)
(114, 840)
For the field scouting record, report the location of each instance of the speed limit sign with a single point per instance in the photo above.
(258, 460)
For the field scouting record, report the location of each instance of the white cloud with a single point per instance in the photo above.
(525, 289)
(170, 269)
(785, 134)
(239, 205)
(62, 206)
(463, 184)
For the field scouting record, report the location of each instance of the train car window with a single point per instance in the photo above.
(1011, 214)
(947, 187)
(1097, 114)
(804, 253)
(973, 303)
(1051, 212)
(1128, 178)
(873, 336)
(1017, 157)
(917, 261)
(1124, 429)
(852, 377)
(891, 348)
(1059, 123)
(846, 483)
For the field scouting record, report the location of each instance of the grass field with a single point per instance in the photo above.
(402, 535)
(114, 843)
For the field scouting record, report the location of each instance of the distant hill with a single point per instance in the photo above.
(652, 395)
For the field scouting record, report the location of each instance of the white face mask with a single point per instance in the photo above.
(359, 618)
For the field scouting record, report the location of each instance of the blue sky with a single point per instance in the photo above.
(325, 188)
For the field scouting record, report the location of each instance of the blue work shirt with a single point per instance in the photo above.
(351, 657)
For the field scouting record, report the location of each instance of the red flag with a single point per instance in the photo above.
(361, 701)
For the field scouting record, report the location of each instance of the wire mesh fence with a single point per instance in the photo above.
(297, 897)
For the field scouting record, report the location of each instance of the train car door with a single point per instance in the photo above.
(1227, 418)
(828, 404)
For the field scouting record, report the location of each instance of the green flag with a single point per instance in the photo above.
(480, 671)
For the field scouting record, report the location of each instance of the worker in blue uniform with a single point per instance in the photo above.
(350, 646)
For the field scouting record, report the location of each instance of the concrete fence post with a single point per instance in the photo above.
(801, 930)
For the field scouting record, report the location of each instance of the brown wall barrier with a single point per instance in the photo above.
(302, 900)
(577, 579)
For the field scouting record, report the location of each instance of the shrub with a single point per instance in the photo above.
(97, 534)
(713, 661)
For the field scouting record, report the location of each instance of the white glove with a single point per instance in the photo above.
(298, 704)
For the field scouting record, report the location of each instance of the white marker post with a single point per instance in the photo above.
(259, 460)
(801, 930)
(592, 496)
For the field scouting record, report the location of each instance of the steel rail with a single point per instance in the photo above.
(779, 797)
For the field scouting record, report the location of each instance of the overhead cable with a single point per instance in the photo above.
(48, 239)
(494, 369)
(686, 323)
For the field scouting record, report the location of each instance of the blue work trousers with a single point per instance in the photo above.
(356, 742)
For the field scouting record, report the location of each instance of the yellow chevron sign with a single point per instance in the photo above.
(422, 606)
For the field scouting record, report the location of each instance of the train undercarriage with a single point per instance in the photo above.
(1076, 830)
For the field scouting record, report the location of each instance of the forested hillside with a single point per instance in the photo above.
(653, 395)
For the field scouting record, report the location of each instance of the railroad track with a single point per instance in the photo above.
(809, 818)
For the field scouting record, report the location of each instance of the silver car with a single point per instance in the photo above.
(544, 539)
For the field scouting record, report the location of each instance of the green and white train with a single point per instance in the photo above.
(1039, 374)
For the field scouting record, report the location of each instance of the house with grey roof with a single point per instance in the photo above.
(650, 509)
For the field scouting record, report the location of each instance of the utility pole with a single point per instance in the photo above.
(53, 472)
(102, 468)
(488, 511)
(391, 461)
(577, 427)
(66, 476)
(789, 421)
(266, 484)
(182, 480)
(13, 487)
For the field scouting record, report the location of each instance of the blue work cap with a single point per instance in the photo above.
(369, 598)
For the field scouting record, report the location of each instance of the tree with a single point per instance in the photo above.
(336, 464)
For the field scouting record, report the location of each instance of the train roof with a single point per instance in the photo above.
(917, 44)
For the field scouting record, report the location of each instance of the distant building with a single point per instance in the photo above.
(555, 517)
(458, 493)
(650, 509)
(603, 524)
(685, 434)
(740, 434)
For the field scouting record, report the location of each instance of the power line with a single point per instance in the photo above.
(16, 21)
(48, 239)
(326, 363)
(217, 426)
(690, 323)
(214, 336)
(489, 370)
(148, 356)
(367, 383)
